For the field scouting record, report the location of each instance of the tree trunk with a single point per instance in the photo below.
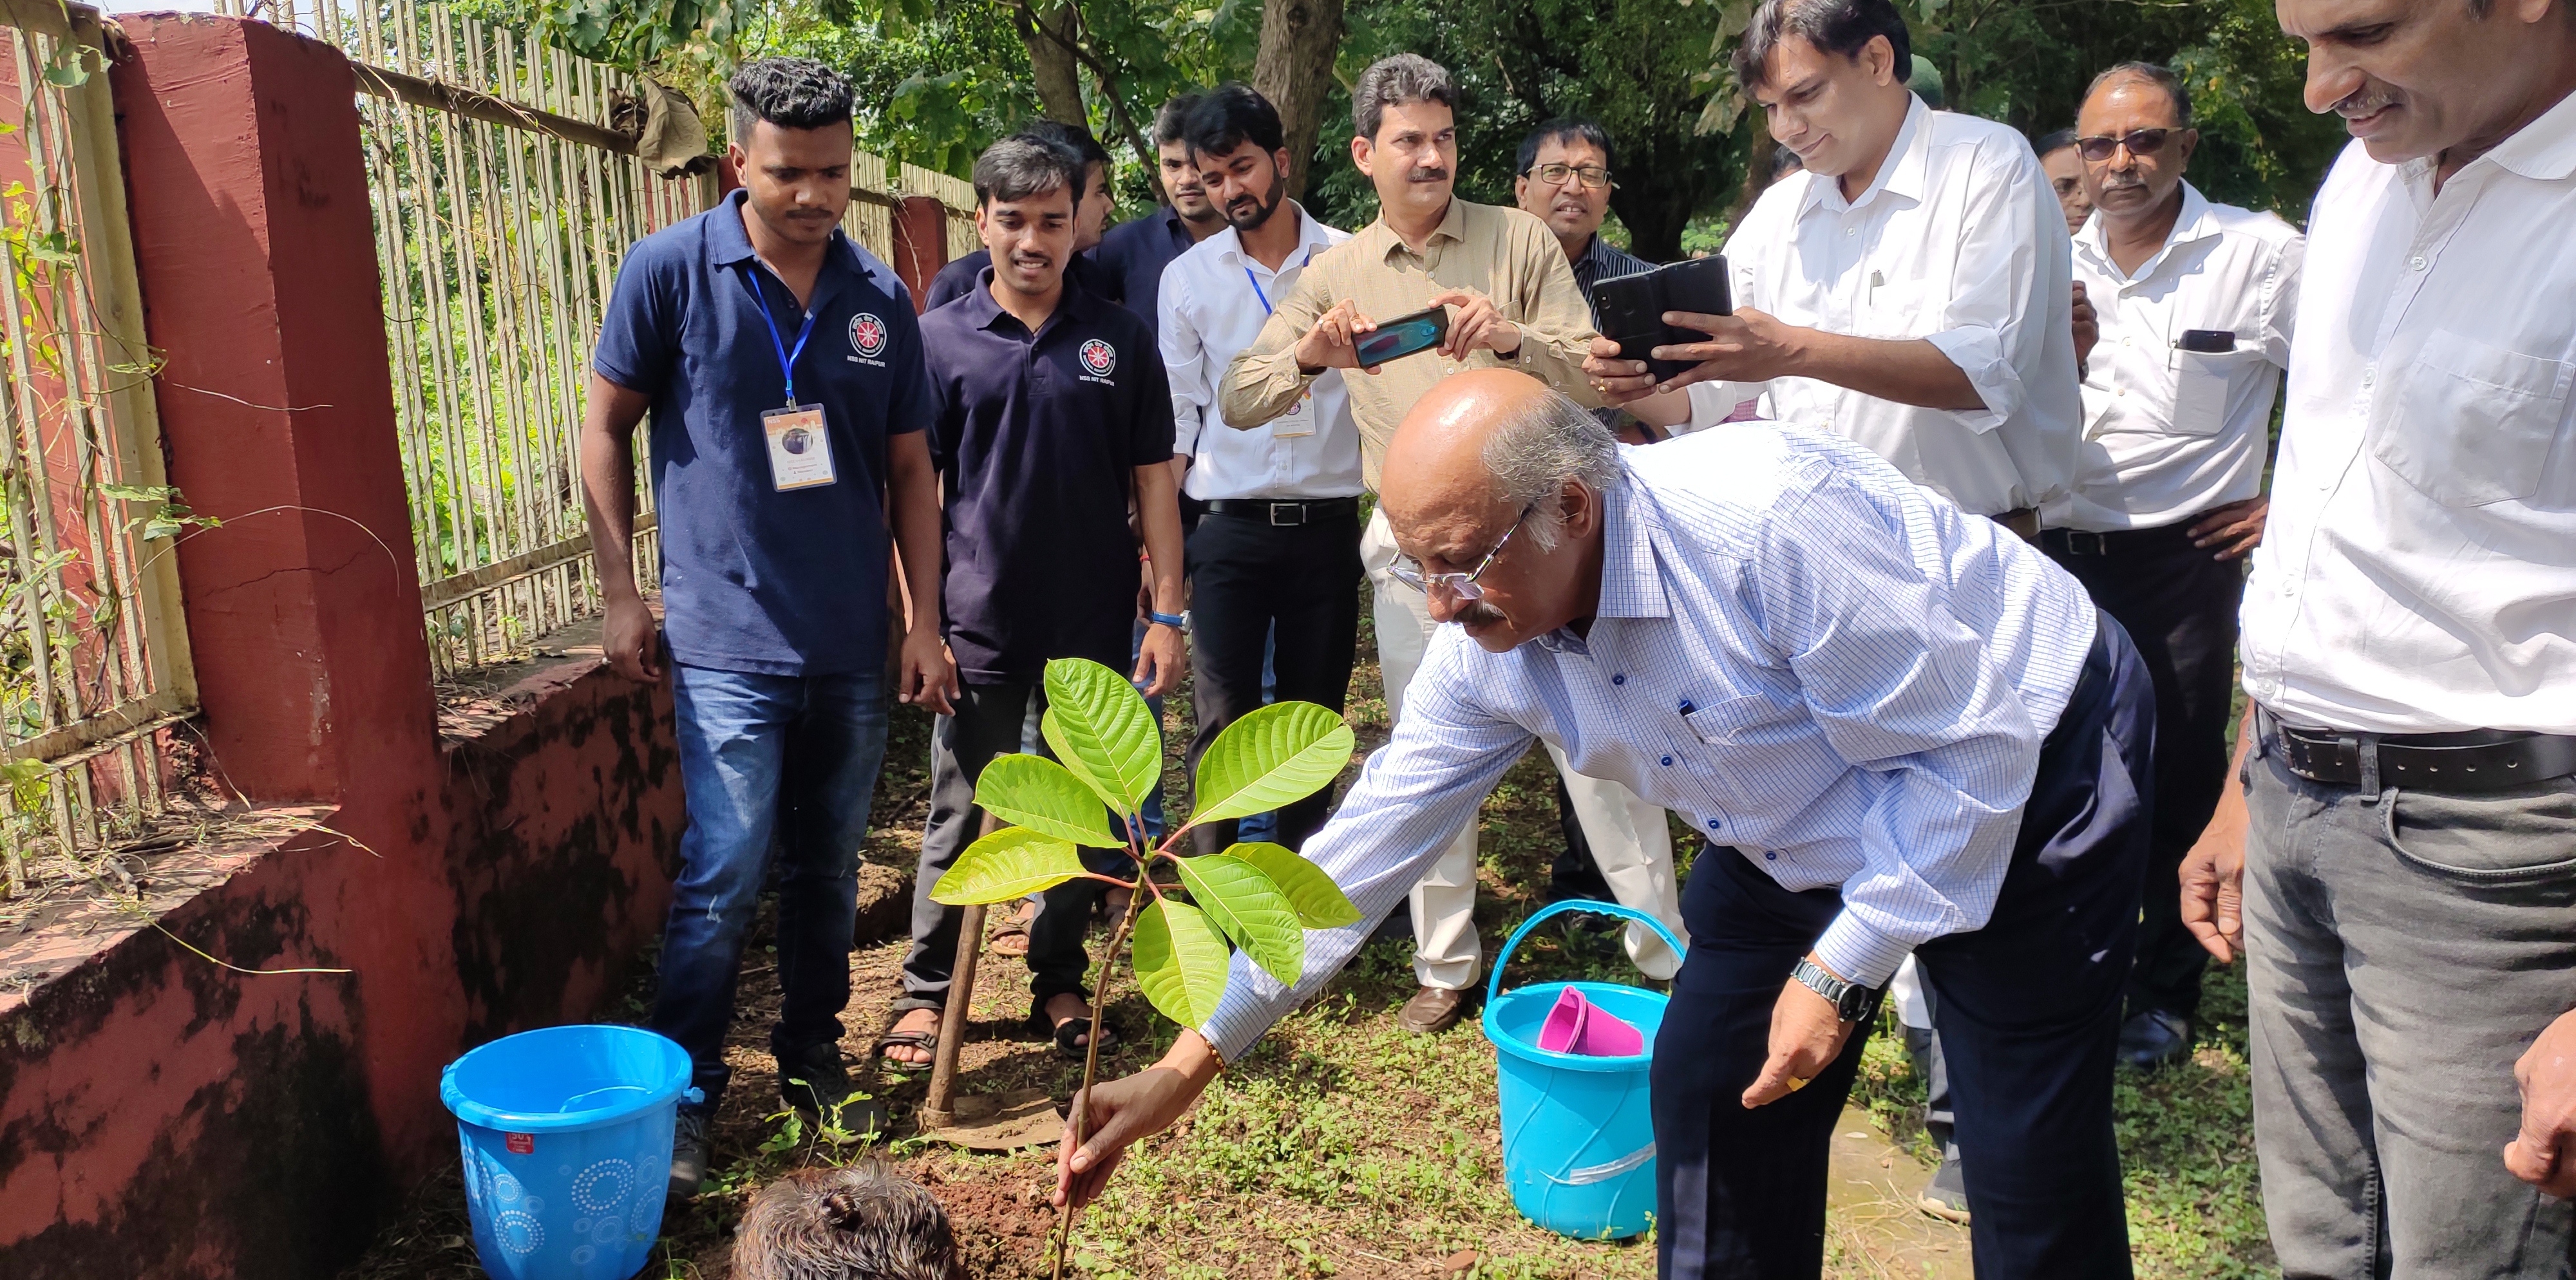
(1051, 63)
(1299, 40)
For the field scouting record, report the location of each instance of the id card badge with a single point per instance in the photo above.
(1298, 421)
(800, 450)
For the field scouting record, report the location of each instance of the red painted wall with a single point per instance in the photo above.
(160, 1116)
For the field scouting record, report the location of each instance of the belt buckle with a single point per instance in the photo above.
(2076, 539)
(1297, 509)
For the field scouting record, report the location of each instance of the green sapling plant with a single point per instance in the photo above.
(1259, 897)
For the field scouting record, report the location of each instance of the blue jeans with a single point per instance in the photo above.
(783, 761)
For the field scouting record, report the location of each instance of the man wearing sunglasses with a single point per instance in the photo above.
(1899, 726)
(1909, 289)
(2194, 302)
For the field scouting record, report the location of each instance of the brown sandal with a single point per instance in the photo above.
(1011, 940)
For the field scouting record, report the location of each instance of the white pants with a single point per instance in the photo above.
(1628, 836)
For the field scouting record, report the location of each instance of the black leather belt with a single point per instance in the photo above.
(2085, 542)
(2476, 760)
(1287, 512)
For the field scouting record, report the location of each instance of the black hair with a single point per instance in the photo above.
(1842, 27)
(2052, 142)
(1230, 115)
(1069, 137)
(1172, 123)
(2161, 77)
(1393, 82)
(792, 93)
(1019, 167)
(1577, 128)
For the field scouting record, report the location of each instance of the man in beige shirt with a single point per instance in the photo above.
(1513, 303)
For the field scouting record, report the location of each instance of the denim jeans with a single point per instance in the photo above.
(788, 762)
(2403, 948)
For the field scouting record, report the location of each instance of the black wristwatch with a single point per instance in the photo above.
(1851, 1001)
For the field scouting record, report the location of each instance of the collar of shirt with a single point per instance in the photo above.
(1904, 174)
(1313, 238)
(1384, 243)
(729, 246)
(1632, 581)
(1075, 306)
(2543, 151)
(2194, 224)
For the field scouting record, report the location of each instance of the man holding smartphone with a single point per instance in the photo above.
(1510, 301)
(1909, 289)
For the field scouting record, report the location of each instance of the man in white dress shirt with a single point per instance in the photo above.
(1908, 289)
(2194, 303)
(2408, 887)
(1278, 550)
(1902, 728)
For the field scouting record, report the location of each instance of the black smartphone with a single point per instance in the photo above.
(1629, 310)
(2208, 341)
(1403, 336)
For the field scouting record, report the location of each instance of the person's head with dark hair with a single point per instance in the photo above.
(2446, 78)
(791, 146)
(1024, 210)
(1404, 136)
(1241, 150)
(1091, 212)
(2065, 176)
(1783, 163)
(1563, 179)
(2135, 139)
(860, 1223)
(1830, 76)
(1180, 175)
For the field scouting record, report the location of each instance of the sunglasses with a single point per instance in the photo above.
(2141, 142)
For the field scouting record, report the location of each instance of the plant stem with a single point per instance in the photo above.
(1091, 1053)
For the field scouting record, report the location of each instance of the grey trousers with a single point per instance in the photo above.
(2404, 948)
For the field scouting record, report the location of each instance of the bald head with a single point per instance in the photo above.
(1493, 460)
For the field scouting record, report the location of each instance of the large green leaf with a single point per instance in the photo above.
(1013, 862)
(1282, 752)
(1039, 794)
(1320, 904)
(1180, 962)
(1242, 902)
(1099, 726)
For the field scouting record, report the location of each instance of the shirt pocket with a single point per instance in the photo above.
(2473, 424)
(1905, 309)
(2202, 381)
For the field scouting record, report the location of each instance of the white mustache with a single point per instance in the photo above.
(2364, 102)
(1479, 612)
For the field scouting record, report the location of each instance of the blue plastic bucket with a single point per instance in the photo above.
(567, 1137)
(1578, 1132)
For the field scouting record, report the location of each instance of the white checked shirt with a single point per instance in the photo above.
(1958, 241)
(2419, 571)
(1215, 298)
(1812, 659)
(2169, 434)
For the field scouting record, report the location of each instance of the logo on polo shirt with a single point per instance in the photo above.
(1099, 357)
(867, 337)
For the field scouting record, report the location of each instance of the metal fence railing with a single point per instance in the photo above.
(93, 652)
(503, 201)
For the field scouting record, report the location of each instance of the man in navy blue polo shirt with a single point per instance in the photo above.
(1090, 218)
(1051, 411)
(784, 374)
(1134, 253)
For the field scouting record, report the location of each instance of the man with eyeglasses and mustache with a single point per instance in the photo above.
(1512, 303)
(1909, 289)
(2194, 303)
(2399, 866)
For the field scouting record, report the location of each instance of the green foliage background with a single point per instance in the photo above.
(940, 79)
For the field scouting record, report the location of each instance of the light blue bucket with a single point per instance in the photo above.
(1578, 1131)
(567, 1137)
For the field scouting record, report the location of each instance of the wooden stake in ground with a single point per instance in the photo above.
(978, 1122)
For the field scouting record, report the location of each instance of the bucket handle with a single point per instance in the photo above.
(1494, 981)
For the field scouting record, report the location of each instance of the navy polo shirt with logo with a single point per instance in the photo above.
(755, 580)
(1038, 437)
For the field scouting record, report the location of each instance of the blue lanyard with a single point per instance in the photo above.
(786, 358)
(1256, 290)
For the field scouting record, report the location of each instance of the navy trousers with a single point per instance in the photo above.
(2029, 1012)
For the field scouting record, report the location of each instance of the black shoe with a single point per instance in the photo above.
(691, 1148)
(1946, 1195)
(814, 1081)
(2152, 1039)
